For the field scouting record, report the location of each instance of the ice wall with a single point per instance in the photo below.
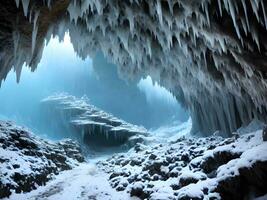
(210, 53)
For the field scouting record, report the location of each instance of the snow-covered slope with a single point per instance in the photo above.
(193, 168)
(27, 162)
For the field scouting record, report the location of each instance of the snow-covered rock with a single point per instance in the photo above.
(193, 168)
(90, 124)
(27, 162)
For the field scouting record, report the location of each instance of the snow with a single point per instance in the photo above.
(261, 198)
(171, 131)
(83, 182)
(247, 159)
(251, 127)
(138, 169)
(250, 146)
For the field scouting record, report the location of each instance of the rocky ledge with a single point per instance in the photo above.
(90, 124)
(193, 169)
(27, 161)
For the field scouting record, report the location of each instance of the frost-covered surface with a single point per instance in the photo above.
(27, 161)
(210, 53)
(193, 168)
(90, 123)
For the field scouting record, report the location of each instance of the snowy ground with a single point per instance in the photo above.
(182, 168)
(83, 182)
(194, 168)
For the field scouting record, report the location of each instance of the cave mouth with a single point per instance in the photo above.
(114, 94)
(94, 82)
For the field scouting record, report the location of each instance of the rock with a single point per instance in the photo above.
(154, 168)
(185, 157)
(89, 124)
(115, 182)
(124, 162)
(138, 191)
(175, 186)
(113, 175)
(152, 157)
(212, 163)
(133, 178)
(184, 181)
(236, 135)
(134, 162)
(251, 179)
(120, 188)
(72, 149)
(38, 161)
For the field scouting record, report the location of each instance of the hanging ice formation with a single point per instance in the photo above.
(210, 53)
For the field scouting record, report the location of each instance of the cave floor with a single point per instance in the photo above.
(184, 168)
(83, 182)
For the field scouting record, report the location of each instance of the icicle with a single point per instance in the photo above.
(49, 3)
(246, 13)
(35, 30)
(254, 6)
(18, 73)
(25, 4)
(255, 36)
(264, 14)
(159, 12)
(17, 3)
(244, 26)
(170, 4)
(220, 7)
(233, 15)
(83, 133)
(222, 43)
(99, 7)
(207, 14)
(226, 5)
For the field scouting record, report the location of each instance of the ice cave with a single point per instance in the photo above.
(133, 99)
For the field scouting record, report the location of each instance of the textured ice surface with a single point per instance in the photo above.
(210, 53)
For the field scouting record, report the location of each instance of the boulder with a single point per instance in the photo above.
(28, 161)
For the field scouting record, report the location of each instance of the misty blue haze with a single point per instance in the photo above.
(61, 70)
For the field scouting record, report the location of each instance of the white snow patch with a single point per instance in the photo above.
(83, 182)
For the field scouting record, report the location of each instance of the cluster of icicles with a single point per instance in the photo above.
(192, 47)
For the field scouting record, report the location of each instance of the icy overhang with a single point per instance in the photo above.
(210, 53)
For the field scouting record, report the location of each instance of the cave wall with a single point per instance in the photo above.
(210, 53)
